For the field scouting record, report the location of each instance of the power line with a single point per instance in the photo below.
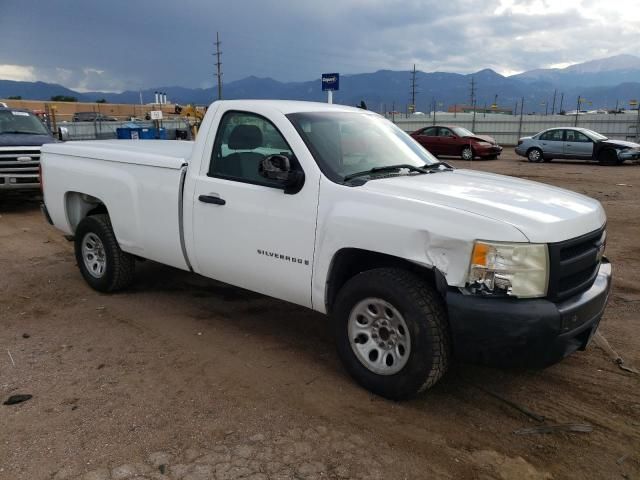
(218, 65)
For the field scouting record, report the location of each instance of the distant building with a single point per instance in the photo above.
(461, 108)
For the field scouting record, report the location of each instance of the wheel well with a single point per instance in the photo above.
(533, 148)
(349, 262)
(80, 205)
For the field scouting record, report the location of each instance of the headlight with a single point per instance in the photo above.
(517, 269)
(485, 144)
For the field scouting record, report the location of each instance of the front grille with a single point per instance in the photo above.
(574, 264)
(13, 160)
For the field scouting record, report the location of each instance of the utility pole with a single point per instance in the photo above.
(434, 110)
(577, 111)
(413, 88)
(561, 100)
(521, 112)
(473, 92)
(218, 65)
(553, 108)
(473, 102)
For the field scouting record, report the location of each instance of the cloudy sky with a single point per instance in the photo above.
(129, 44)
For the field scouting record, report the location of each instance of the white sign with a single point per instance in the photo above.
(156, 114)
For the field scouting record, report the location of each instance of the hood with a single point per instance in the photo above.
(543, 213)
(22, 140)
(483, 138)
(621, 143)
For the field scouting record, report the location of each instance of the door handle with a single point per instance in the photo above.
(214, 199)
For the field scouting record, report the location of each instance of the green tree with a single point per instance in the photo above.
(63, 98)
(102, 100)
(15, 97)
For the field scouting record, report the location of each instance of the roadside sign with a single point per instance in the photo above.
(156, 114)
(330, 82)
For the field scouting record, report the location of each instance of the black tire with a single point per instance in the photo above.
(425, 317)
(467, 153)
(535, 155)
(119, 266)
(608, 157)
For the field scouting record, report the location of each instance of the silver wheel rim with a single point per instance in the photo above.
(534, 155)
(379, 336)
(93, 255)
(467, 154)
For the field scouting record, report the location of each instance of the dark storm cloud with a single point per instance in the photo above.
(121, 44)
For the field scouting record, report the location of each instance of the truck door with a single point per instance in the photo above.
(577, 145)
(246, 230)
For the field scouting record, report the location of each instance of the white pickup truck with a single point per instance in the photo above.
(338, 210)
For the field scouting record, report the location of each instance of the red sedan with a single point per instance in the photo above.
(457, 141)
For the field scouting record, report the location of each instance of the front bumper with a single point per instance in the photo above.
(527, 332)
(629, 154)
(19, 181)
(488, 151)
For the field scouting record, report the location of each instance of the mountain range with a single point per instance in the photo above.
(601, 82)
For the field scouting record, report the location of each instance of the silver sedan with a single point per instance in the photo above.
(576, 143)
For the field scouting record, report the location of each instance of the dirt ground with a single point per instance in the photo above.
(184, 377)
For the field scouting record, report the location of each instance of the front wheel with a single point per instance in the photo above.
(392, 334)
(467, 153)
(608, 157)
(104, 266)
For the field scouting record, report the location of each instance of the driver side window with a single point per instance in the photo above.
(552, 135)
(242, 142)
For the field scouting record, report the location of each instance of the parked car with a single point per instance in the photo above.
(457, 141)
(416, 262)
(576, 143)
(21, 135)
(92, 117)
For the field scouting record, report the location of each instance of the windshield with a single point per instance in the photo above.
(594, 135)
(463, 132)
(344, 143)
(13, 121)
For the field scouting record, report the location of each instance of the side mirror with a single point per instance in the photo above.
(278, 167)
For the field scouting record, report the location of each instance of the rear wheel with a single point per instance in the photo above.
(104, 266)
(467, 153)
(392, 333)
(608, 157)
(535, 155)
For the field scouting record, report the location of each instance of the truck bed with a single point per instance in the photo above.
(139, 180)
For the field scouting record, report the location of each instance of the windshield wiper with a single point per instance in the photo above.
(388, 168)
(437, 164)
